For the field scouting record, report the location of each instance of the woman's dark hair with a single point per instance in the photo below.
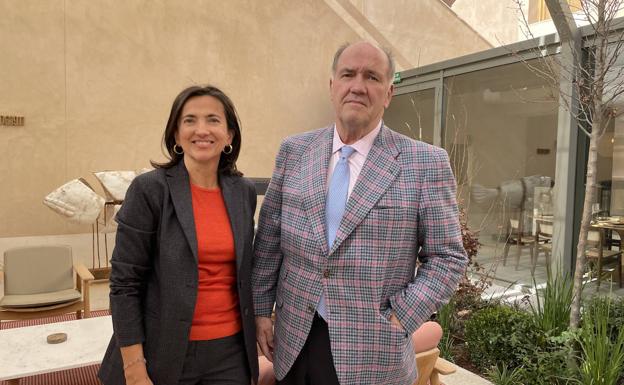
(227, 162)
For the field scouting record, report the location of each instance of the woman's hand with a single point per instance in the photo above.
(137, 375)
(134, 365)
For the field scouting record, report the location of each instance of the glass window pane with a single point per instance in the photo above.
(412, 114)
(500, 130)
(610, 175)
(608, 204)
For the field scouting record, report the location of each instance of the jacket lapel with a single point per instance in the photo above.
(180, 190)
(314, 163)
(233, 204)
(379, 171)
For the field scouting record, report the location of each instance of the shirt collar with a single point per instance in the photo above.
(362, 146)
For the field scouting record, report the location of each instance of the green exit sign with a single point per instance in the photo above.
(397, 78)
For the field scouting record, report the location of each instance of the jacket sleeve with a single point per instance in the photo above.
(267, 247)
(442, 255)
(253, 200)
(132, 260)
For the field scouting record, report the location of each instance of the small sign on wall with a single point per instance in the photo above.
(7, 120)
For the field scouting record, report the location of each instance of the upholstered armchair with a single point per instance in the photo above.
(39, 282)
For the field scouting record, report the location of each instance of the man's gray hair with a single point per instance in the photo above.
(386, 51)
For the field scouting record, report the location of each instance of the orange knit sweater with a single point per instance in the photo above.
(217, 311)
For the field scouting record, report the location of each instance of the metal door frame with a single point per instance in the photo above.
(436, 85)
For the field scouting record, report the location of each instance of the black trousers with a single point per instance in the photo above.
(222, 361)
(315, 365)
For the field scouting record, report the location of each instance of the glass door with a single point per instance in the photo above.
(413, 112)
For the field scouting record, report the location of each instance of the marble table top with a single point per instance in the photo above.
(25, 352)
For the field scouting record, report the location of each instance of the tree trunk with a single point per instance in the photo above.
(590, 188)
(597, 121)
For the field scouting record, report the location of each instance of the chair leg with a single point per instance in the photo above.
(434, 379)
(78, 314)
(591, 266)
(599, 277)
(518, 252)
(505, 252)
(86, 300)
(619, 270)
(547, 258)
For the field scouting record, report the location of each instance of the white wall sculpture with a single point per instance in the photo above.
(76, 201)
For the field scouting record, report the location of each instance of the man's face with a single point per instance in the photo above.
(360, 88)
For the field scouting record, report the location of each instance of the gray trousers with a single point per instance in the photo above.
(222, 361)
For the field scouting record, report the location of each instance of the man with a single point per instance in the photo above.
(349, 211)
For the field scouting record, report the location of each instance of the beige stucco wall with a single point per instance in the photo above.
(95, 81)
(495, 20)
(424, 31)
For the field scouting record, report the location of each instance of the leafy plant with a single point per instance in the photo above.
(602, 358)
(500, 334)
(468, 294)
(509, 338)
(552, 313)
(550, 363)
(446, 347)
(446, 317)
(502, 375)
(616, 313)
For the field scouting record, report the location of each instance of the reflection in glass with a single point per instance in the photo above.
(608, 204)
(610, 167)
(500, 128)
(412, 114)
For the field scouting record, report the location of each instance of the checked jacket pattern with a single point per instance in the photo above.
(402, 209)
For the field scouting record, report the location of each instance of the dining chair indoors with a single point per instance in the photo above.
(543, 242)
(601, 258)
(518, 238)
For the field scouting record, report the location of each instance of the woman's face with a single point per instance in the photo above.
(202, 131)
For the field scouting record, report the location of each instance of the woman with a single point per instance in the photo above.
(180, 294)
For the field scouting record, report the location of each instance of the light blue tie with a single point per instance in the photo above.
(335, 206)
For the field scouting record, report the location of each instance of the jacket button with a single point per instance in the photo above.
(326, 273)
(311, 309)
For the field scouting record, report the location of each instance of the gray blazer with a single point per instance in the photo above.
(154, 274)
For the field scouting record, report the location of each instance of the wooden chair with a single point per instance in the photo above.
(39, 282)
(543, 241)
(431, 366)
(428, 361)
(599, 256)
(516, 237)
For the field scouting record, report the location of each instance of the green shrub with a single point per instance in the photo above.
(507, 337)
(500, 334)
(615, 319)
(550, 363)
(602, 347)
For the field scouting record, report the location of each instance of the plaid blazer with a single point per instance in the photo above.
(402, 209)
